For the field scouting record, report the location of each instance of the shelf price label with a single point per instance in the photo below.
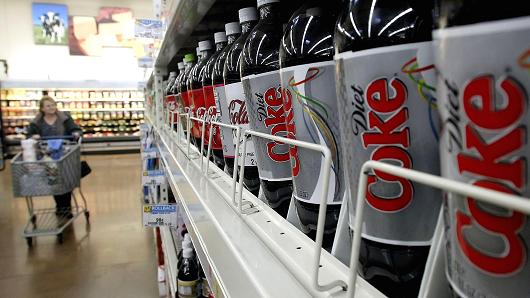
(154, 177)
(160, 215)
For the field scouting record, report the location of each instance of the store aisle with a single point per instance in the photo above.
(116, 258)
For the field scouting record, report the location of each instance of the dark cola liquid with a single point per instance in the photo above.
(217, 79)
(196, 95)
(261, 55)
(396, 270)
(188, 278)
(232, 75)
(169, 84)
(209, 101)
(173, 90)
(307, 39)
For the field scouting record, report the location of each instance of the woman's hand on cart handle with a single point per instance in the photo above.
(77, 136)
(35, 137)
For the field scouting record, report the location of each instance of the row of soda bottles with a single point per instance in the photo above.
(437, 87)
(191, 280)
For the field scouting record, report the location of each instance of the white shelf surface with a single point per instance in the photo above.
(239, 247)
(170, 257)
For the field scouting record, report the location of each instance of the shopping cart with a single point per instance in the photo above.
(47, 177)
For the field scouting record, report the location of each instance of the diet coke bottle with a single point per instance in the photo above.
(483, 60)
(388, 113)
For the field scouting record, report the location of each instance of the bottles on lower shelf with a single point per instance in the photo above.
(191, 280)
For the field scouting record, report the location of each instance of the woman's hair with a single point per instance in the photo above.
(43, 100)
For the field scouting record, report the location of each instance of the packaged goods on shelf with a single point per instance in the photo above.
(20, 106)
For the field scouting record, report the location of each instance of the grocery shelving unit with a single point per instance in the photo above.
(209, 198)
(108, 112)
(245, 252)
(246, 248)
(254, 252)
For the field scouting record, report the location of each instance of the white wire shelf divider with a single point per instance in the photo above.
(434, 283)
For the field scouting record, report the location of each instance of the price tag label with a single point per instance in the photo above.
(150, 153)
(155, 177)
(160, 215)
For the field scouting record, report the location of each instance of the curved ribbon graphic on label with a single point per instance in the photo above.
(410, 68)
(316, 112)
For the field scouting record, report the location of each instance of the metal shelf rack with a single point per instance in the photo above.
(269, 254)
(211, 197)
(249, 249)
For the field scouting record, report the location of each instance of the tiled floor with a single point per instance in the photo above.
(115, 257)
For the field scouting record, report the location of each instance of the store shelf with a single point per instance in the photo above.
(171, 259)
(74, 85)
(241, 248)
(18, 117)
(76, 99)
(8, 109)
(15, 109)
(25, 94)
(182, 21)
(103, 110)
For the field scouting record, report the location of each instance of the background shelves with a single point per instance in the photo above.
(103, 110)
(108, 112)
(7, 117)
(75, 99)
(8, 109)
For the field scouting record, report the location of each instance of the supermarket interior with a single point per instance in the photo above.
(264, 148)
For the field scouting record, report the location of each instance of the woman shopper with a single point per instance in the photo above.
(50, 122)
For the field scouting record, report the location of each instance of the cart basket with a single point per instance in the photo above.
(47, 177)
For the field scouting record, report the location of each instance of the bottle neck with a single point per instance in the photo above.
(247, 26)
(188, 65)
(232, 38)
(269, 11)
(206, 54)
(220, 46)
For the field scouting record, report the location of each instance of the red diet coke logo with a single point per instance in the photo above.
(391, 137)
(275, 120)
(495, 167)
